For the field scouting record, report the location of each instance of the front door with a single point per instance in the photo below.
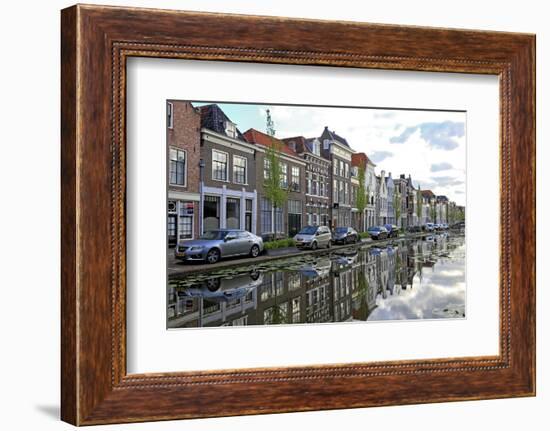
(248, 222)
(294, 224)
(172, 234)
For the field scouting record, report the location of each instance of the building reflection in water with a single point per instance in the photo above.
(409, 279)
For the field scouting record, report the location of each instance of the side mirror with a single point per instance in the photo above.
(229, 238)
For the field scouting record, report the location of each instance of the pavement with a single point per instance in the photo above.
(176, 267)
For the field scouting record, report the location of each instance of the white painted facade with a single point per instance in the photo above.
(223, 193)
(370, 183)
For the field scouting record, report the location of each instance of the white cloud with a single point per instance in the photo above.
(371, 131)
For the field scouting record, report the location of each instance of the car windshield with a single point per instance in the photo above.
(308, 230)
(214, 234)
(341, 229)
(374, 228)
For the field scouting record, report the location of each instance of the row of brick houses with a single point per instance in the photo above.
(216, 175)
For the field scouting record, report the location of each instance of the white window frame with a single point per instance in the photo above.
(235, 156)
(185, 167)
(266, 168)
(284, 172)
(170, 114)
(178, 219)
(226, 168)
(230, 129)
(292, 169)
(317, 148)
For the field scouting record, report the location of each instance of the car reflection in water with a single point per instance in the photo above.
(419, 278)
(319, 268)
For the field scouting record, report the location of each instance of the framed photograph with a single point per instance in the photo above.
(292, 215)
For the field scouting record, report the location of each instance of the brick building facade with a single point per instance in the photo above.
(337, 150)
(317, 179)
(183, 151)
(288, 220)
(228, 194)
(215, 179)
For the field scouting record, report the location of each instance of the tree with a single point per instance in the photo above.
(397, 207)
(363, 295)
(433, 211)
(451, 214)
(419, 205)
(273, 190)
(276, 315)
(361, 196)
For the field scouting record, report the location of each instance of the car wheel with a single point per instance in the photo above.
(213, 284)
(213, 256)
(254, 251)
(314, 245)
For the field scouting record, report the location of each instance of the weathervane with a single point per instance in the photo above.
(270, 126)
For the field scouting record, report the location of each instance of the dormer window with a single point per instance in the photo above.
(316, 148)
(292, 145)
(326, 144)
(230, 129)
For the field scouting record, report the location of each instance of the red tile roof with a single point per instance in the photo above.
(428, 194)
(360, 159)
(254, 136)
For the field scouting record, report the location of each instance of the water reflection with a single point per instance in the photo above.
(408, 279)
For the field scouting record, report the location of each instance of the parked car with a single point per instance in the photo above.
(220, 243)
(444, 226)
(429, 227)
(345, 235)
(318, 268)
(223, 289)
(378, 232)
(393, 230)
(313, 237)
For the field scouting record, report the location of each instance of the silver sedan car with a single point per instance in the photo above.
(217, 244)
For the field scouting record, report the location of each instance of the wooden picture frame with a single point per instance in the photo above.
(95, 43)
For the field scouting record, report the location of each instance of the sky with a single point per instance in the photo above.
(428, 145)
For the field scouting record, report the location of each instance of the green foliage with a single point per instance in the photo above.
(419, 204)
(362, 195)
(397, 207)
(276, 315)
(361, 191)
(364, 235)
(433, 211)
(461, 215)
(279, 243)
(272, 184)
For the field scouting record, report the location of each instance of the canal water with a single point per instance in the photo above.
(421, 278)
